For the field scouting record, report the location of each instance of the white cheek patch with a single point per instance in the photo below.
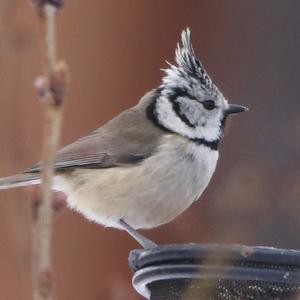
(192, 110)
(169, 119)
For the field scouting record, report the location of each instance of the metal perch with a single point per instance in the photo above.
(199, 271)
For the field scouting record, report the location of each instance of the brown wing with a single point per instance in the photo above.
(127, 139)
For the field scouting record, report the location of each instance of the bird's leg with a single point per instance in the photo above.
(142, 240)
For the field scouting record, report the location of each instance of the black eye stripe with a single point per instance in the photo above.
(180, 92)
(176, 93)
(177, 110)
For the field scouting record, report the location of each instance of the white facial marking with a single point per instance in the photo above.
(169, 119)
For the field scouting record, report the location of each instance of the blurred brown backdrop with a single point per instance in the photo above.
(115, 50)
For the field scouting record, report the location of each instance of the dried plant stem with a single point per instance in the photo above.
(51, 89)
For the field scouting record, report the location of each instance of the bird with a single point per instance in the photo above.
(148, 164)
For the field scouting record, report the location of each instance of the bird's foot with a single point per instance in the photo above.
(142, 240)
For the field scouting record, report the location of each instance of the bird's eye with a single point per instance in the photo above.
(209, 104)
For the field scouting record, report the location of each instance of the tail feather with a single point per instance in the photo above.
(19, 180)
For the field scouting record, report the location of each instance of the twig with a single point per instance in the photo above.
(51, 89)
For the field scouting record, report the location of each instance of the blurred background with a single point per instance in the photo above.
(115, 50)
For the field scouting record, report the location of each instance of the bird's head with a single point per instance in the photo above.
(188, 102)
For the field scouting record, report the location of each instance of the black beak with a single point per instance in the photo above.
(235, 109)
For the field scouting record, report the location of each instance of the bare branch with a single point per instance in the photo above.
(51, 90)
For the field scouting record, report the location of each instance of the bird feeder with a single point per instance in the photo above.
(200, 271)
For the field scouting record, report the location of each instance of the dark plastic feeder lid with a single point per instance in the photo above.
(196, 271)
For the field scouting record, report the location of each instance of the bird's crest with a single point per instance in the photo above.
(189, 69)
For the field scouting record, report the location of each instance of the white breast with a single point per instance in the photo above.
(145, 195)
